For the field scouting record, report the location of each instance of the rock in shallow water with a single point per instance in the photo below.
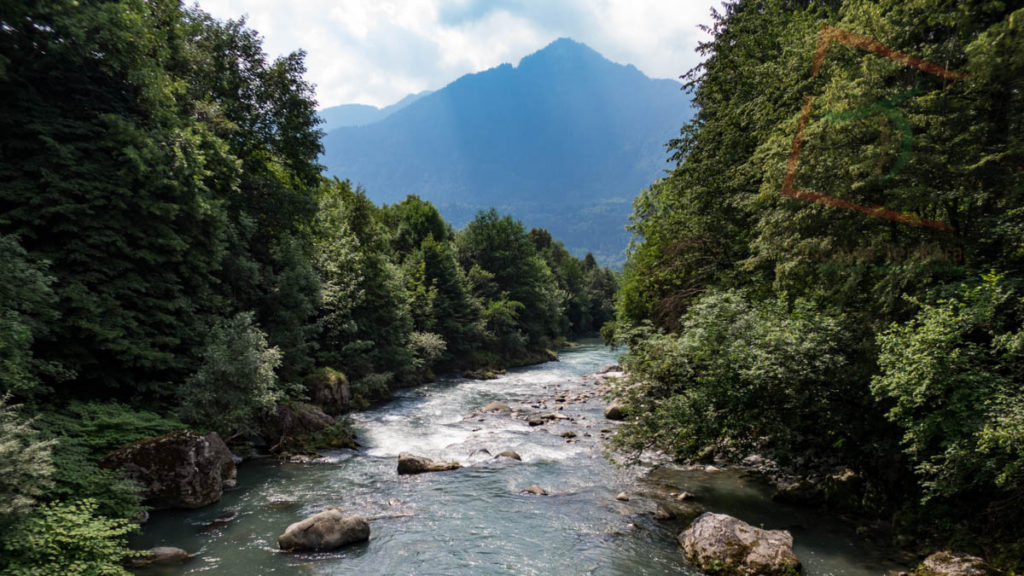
(509, 454)
(536, 490)
(728, 545)
(412, 464)
(952, 564)
(616, 410)
(161, 555)
(499, 407)
(325, 530)
(177, 470)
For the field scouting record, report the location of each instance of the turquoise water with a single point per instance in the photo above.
(476, 520)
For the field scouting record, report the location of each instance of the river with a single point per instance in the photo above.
(476, 520)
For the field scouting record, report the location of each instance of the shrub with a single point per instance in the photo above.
(235, 383)
(953, 378)
(70, 539)
(25, 464)
(752, 376)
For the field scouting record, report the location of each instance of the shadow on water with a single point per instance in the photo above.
(477, 520)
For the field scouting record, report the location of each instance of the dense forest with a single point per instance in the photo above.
(832, 276)
(172, 256)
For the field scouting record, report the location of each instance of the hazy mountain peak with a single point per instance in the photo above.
(363, 114)
(566, 132)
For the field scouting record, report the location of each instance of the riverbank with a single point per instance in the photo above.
(476, 519)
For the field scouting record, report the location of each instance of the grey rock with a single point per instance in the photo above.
(177, 470)
(325, 530)
(162, 555)
(330, 390)
(536, 490)
(412, 464)
(952, 564)
(509, 454)
(294, 424)
(662, 513)
(616, 410)
(730, 546)
(499, 407)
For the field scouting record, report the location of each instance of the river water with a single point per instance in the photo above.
(477, 520)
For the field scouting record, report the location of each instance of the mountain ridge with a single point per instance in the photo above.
(565, 127)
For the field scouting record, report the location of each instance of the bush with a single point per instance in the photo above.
(25, 464)
(751, 376)
(235, 383)
(427, 348)
(953, 378)
(70, 539)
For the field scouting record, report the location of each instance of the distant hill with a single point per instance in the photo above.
(363, 114)
(563, 141)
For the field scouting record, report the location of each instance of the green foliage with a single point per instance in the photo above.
(365, 315)
(67, 538)
(25, 464)
(84, 434)
(953, 376)
(427, 348)
(26, 308)
(940, 359)
(177, 168)
(743, 376)
(519, 288)
(235, 383)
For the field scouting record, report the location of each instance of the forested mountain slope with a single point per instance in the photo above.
(833, 274)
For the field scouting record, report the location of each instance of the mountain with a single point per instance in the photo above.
(562, 141)
(363, 114)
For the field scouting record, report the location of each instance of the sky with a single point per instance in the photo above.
(377, 51)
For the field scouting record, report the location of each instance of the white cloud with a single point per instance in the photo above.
(377, 51)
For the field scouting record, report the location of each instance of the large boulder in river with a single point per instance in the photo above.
(325, 530)
(330, 390)
(412, 464)
(299, 427)
(178, 470)
(952, 564)
(730, 546)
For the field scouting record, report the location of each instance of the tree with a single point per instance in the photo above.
(235, 383)
(26, 310)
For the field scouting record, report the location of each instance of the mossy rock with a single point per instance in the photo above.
(299, 428)
(330, 390)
